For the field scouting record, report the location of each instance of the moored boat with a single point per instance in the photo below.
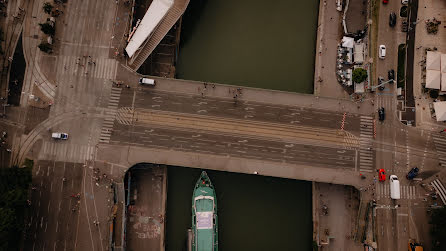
(204, 215)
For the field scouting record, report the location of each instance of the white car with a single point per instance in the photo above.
(382, 51)
(404, 1)
(59, 135)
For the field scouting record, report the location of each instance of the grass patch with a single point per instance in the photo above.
(401, 65)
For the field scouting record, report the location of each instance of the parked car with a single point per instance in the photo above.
(404, 1)
(412, 173)
(382, 51)
(380, 81)
(392, 19)
(382, 175)
(59, 135)
(381, 114)
(391, 74)
(404, 26)
(385, 1)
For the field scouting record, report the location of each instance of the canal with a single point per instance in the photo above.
(256, 43)
(255, 212)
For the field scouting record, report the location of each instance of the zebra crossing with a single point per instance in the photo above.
(407, 192)
(366, 154)
(61, 151)
(103, 68)
(124, 115)
(440, 146)
(109, 121)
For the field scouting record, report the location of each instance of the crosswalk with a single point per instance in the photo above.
(109, 121)
(440, 146)
(104, 68)
(59, 150)
(406, 191)
(124, 115)
(366, 154)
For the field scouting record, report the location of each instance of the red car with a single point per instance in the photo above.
(385, 1)
(381, 175)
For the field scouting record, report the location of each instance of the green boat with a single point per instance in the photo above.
(204, 216)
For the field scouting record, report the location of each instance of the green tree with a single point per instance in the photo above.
(438, 229)
(47, 7)
(359, 75)
(433, 93)
(45, 47)
(47, 29)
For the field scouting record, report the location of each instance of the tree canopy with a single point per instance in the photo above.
(14, 184)
(359, 75)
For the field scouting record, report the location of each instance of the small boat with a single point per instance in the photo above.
(204, 216)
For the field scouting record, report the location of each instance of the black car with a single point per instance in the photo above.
(381, 114)
(392, 19)
(380, 81)
(412, 173)
(391, 74)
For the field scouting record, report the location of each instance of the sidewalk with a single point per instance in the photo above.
(426, 10)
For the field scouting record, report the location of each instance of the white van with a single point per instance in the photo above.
(394, 187)
(146, 81)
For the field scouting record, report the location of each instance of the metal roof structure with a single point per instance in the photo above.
(154, 15)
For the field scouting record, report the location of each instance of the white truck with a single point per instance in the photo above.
(394, 187)
(59, 135)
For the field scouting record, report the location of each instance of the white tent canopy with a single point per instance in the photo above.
(440, 110)
(433, 60)
(433, 79)
(443, 64)
(348, 42)
(443, 82)
(154, 15)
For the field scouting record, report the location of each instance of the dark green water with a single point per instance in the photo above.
(256, 43)
(255, 212)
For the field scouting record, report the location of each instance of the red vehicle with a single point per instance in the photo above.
(381, 175)
(385, 1)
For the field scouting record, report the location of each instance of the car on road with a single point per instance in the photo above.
(394, 187)
(404, 1)
(392, 19)
(412, 173)
(391, 74)
(381, 114)
(382, 51)
(59, 135)
(381, 175)
(147, 81)
(380, 81)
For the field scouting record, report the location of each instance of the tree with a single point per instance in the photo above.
(47, 29)
(359, 75)
(433, 93)
(438, 231)
(45, 47)
(47, 8)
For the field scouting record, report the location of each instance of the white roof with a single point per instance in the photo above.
(358, 53)
(443, 64)
(440, 110)
(204, 220)
(433, 79)
(156, 12)
(433, 60)
(348, 42)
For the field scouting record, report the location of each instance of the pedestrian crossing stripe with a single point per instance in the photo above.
(59, 151)
(406, 191)
(366, 155)
(104, 68)
(108, 123)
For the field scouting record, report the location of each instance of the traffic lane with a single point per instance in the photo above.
(177, 102)
(53, 223)
(231, 145)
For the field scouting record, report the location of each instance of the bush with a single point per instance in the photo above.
(45, 47)
(47, 29)
(359, 75)
(47, 8)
